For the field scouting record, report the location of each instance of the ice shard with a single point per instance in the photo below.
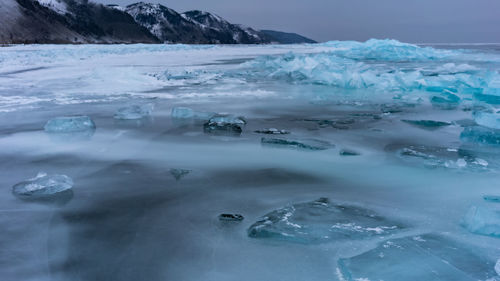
(489, 120)
(225, 124)
(424, 257)
(481, 220)
(481, 135)
(322, 221)
(272, 131)
(305, 144)
(134, 112)
(70, 124)
(43, 185)
(427, 124)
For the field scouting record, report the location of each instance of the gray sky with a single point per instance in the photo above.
(417, 21)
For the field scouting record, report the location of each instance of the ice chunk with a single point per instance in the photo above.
(482, 221)
(70, 124)
(492, 198)
(43, 185)
(489, 120)
(440, 157)
(497, 267)
(272, 131)
(348, 152)
(337, 124)
(230, 217)
(446, 100)
(307, 144)
(179, 173)
(424, 257)
(188, 113)
(222, 123)
(427, 124)
(481, 135)
(488, 97)
(321, 221)
(134, 112)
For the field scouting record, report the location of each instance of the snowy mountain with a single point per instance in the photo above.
(67, 21)
(81, 21)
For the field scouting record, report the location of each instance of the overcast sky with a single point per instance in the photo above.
(417, 21)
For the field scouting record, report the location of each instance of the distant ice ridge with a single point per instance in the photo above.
(386, 50)
(333, 70)
(43, 184)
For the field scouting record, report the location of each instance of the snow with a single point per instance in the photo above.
(58, 6)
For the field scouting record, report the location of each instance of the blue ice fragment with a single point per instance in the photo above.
(481, 220)
(424, 257)
(321, 221)
(427, 124)
(481, 135)
(446, 100)
(42, 185)
(348, 152)
(272, 131)
(231, 217)
(70, 124)
(488, 97)
(492, 198)
(486, 119)
(225, 123)
(188, 113)
(134, 112)
(306, 144)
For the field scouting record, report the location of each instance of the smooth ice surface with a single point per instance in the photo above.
(43, 184)
(130, 219)
(69, 124)
(481, 220)
(134, 112)
(321, 221)
(423, 257)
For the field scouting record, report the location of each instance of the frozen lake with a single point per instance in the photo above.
(401, 143)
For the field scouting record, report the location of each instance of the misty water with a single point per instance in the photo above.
(347, 161)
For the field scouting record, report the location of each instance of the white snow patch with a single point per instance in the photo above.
(57, 6)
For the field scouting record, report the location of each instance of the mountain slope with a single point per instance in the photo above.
(81, 21)
(67, 21)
